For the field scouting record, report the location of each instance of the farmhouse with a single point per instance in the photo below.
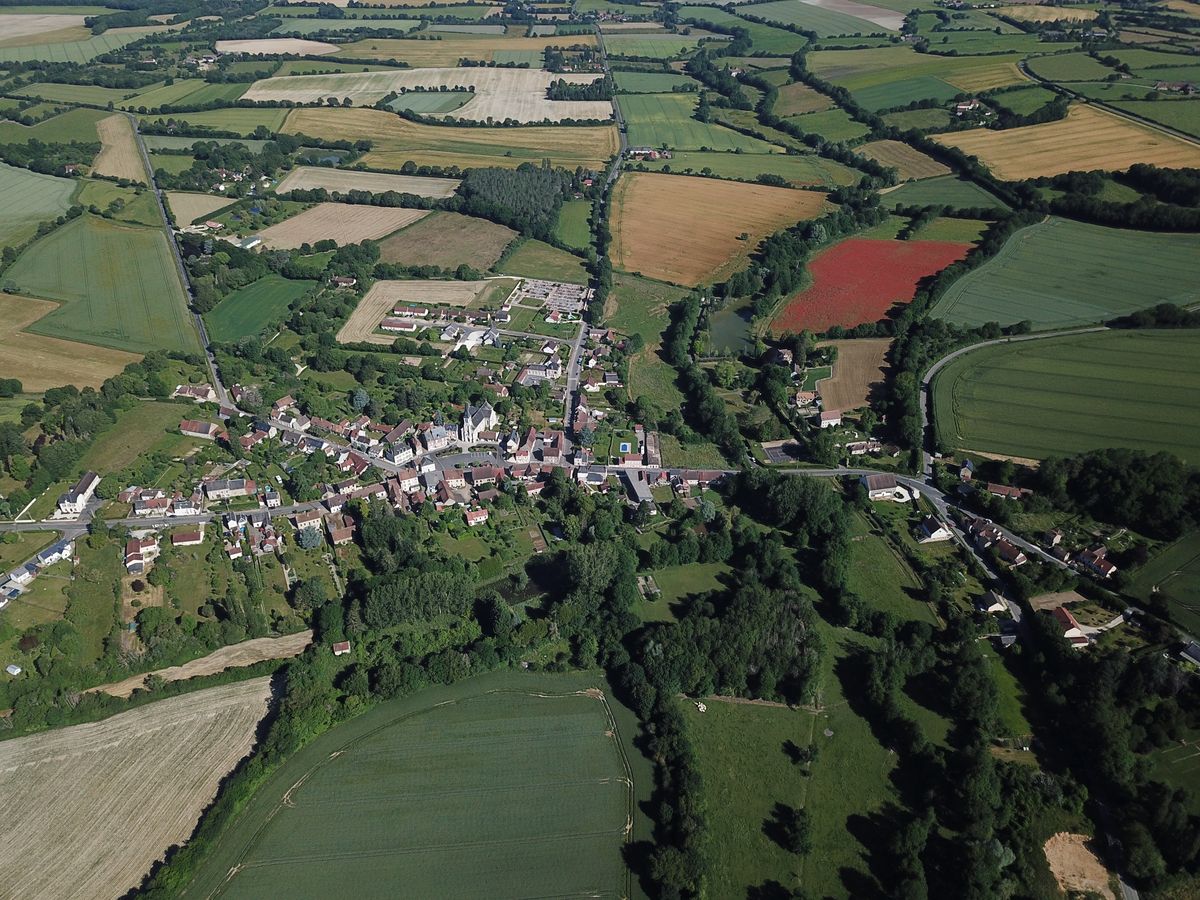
(885, 487)
(830, 418)
(208, 431)
(1070, 628)
(991, 602)
(74, 501)
(201, 393)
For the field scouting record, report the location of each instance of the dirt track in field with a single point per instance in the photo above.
(119, 155)
(860, 366)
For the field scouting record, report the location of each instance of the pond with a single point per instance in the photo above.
(729, 328)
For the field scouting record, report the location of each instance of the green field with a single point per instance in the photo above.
(117, 284)
(185, 92)
(823, 21)
(137, 431)
(765, 39)
(312, 26)
(1069, 67)
(1175, 572)
(651, 46)
(251, 309)
(652, 82)
(1135, 389)
(179, 142)
(655, 120)
(480, 789)
(236, 120)
(921, 119)
(76, 93)
(1182, 115)
(639, 306)
(73, 125)
(431, 101)
(74, 51)
(945, 190)
(831, 124)
(535, 259)
(1024, 100)
(573, 227)
(1060, 273)
(880, 576)
(30, 198)
(798, 169)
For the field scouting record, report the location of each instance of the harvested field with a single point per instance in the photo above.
(860, 369)
(858, 281)
(1046, 13)
(798, 98)
(271, 46)
(448, 240)
(137, 784)
(384, 295)
(23, 25)
(235, 656)
(1076, 867)
(396, 141)
(188, 207)
(119, 155)
(908, 162)
(305, 178)
(685, 230)
(342, 222)
(500, 94)
(45, 362)
(1088, 138)
(450, 49)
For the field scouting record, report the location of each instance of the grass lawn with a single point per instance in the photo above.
(881, 576)
(1176, 573)
(535, 259)
(149, 426)
(677, 584)
(255, 307)
(573, 227)
(18, 546)
(92, 599)
(1012, 696)
(73, 125)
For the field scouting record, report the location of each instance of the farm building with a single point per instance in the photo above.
(830, 418)
(187, 538)
(208, 431)
(341, 648)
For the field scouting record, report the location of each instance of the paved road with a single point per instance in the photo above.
(573, 376)
(615, 169)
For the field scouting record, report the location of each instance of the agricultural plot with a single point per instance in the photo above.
(927, 120)
(483, 788)
(831, 124)
(76, 51)
(396, 141)
(858, 372)
(185, 92)
(1061, 273)
(117, 284)
(858, 281)
(448, 240)
(536, 259)
(801, 170)
(249, 310)
(654, 46)
(119, 155)
(310, 26)
(830, 17)
(653, 82)
(451, 48)
(18, 25)
(140, 779)
(386, 295)
(909, 164)
(156, 142)
(499, 93)
(574, 227)
(765, 39)
(797, 98)
(431, 102)
(306, 178)
(947, 190)
(271, 46)
(1182, 115)
(73, 125)
(1069, 67)
(188, 207)
(1023, 100)
(1047, 13)
(688, 230)
(235, 119)
(30, 198)
(346, 223)
(75, 93)
(1175, 573)
(1039, 398)
(657, 120)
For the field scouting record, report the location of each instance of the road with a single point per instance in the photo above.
(615, 169)
(573, 375)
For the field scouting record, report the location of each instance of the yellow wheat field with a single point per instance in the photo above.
(343, 222)
(1047, 13)
(119, 155)
(189, 207)
(909, 162)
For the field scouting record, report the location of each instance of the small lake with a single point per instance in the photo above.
(729, 328)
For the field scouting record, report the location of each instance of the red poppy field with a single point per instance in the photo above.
(858, 280)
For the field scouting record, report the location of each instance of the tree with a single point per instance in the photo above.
(309, 538)
(310, 593)
(792, 829)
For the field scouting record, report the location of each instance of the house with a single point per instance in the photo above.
(139, 553)
(966, 471)
(343, 281)
(476, 516)
(1070, 628)
(284, 403)
(21, 576)
(341, 529)
(436, 437)
(862, 448)
(309, 518)
(967, 106)
(186, 506)
(806, 398)
(1007, 492)
(932, 530)
(208, 431)
(341, 648)
(991, 602)
(297, 422)
(1011, 553)
(200, 393)
(1191, 653)
(56, 552)
(553, 443)
(74, 501)
(1096, 561)
(884, 487)
(253, 439)
(477, 419)
(272, 499)
(1052, 538)
(156, 506)
(830, 418)
(229, 488)
(187, 538)
(233, 549)
(522, 453)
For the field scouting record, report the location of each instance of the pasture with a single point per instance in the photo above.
(657, 120)
(1040, 398)
(574, 226)
(776, 41)
(75, 93)
(1182, 115)
(947, 190)
(1175, 572)
(1088, 138)
(117, 285)
(910, 164)
(1069, 67)
(346, 223)
(119, 155)
(654, 46)
(536, 259)
(801, 170)
(448, 240)
(234, 119)
(29, 199)
(184, 92)
(831, 124)
(446, 52)
(431, 102)
(140, 779)
(920, 119)
(396, 141)
(188, 207)
(652, 82)
(73, 125)
(1024, 100)
(830, 17)
(797, 98)
(306, 178)
(253, 308)
(860, 368)
(639, 306)
(688, 230)
(482, 788)
(1061, 273)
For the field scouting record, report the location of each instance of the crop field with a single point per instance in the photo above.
(385, 295)
(652, 46)
(396, 141)
(1024, 100)
(431, 102)
(1088, 138)
(657, 119)
(860, 368)
(119, 155)
(858, 281)
(268, 46)
(1176, 573)
(76, 51)
(1040, 398)
(117, 284)
(908, 163)
(536, 259)
(305, 178)
(686, 230)
(1047, 13)
(451, 48)
(499, 94)
(797, 98)
(1182, 115)
(18, 25)
(832, 124)
(188, 207)
(765, 39)
(30, 198)
(947, 190)
(652, 82)
(1061, 273)
(309, 26)
(185, 92)
(1069, 67)
(139, 779)
(922, 119)
(73, 125)
(347, 223)
(235, 119)
(448, 240)
(44, 362)
(247, 311)
(483, 788)
(800, 170)
(830, 17)
(75, 93)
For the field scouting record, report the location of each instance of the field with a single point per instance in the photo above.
(535, 259)
(908, 163)
(1039, 398)
(73, 125)
(921, 119)
(384, 295)
(831, 124)
(801, 170)
(268, 46)
(1176, 573)
(117, 284)
(479, 789)
(431, 102)
(21, 26)
(655, 120)
(861, 365)
(1047, 14)
(1024, 100)
(119, 155)
(137, 431)
(829, 17)
(639, 306)
(948, 190)
(651, 82)
(29, 199)
(686, 230)
(858, 281)
(76, 51)
(797, 98)
(139, 783)
(184, 92)
(448, 240)
(45, 362)
(344, 222)
(1182, 115)
(651, 46)
(499, 94)
(1060, 273)
(237, 120)
(1069, 67)
(75, 93)
(766, 39)
(574, 224)
(305, 178)
(188, 207)
(450, 49)
(396, 141)
(1088, 138)
(249, 310)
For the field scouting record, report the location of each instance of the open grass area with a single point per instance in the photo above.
(1060, 273)
(831, 124)
(537, 259)
(573, 227)
(149, 426)
(651, 46)
(451, 48)
(117, 285)
(1182, 115)
(29, 199)
(639, 306)
(881, 576)
(802, 170)
(652, 82)
(1039, 398)
(185, 92)
(764, 38)
(1175, 573)
(235, 119)
(448, 240)
(922, 119)
(947, 190)
(73, 125)
(249, 310)
(19, 546)
(657, 120)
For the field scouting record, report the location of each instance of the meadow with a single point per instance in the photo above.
(431, 102)
(657, 120)
(947, 190)
(75, 93)
(1060, 273)
(29, 199)
(184, 92)
(831, 124)
(574, 227)
(1075, 393)
(1024, 100)
(921, 119)
(448, 240)
(879, 574)
(651, 46)
(536, 259)
(73, 125)
(147, 427)
(117, 284)
(798, 98)
(652, 82)
(1182, 115)
(249, 310)
(801, 169)
(845, 17)
(775, 41)
(235, 119)
(1175, 571)
(1069, 67)
(450, 49)
(188, 207)
(639, 306)
(476, 789)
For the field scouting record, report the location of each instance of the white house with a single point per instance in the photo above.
(74, 501)
(885, 487)
(990, 602)
(932, 530)
(830, 418)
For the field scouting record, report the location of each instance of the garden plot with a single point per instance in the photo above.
(306, 178)
(341, 222)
